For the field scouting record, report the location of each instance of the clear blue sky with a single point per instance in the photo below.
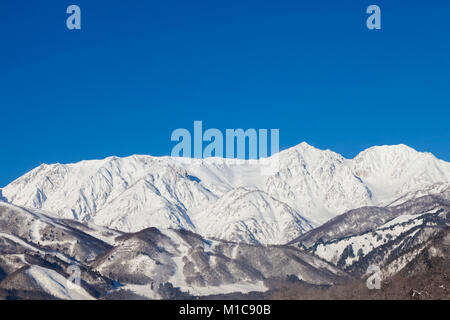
(140, 69)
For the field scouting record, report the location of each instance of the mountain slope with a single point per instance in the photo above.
(425, 277)
(308, 187)
(37, 250)
(379, 236)
(251, 216)
(145, 261)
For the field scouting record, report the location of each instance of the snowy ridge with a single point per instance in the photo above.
(56, 285)
(381, 236)
(251, 216)
(225, 200)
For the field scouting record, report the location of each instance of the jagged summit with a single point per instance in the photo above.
(309, 187)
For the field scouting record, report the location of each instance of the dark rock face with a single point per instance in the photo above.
(2, 198)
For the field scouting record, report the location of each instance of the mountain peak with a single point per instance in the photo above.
(305, 147)
(396, 148)
(137, 192)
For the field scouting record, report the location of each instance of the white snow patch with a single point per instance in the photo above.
(56, 285)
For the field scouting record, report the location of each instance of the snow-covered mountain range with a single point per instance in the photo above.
(225, 200)
(165, 228)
